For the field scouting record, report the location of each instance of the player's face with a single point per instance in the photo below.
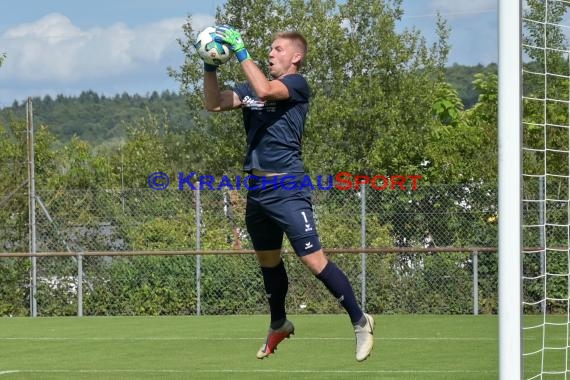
(282, 54)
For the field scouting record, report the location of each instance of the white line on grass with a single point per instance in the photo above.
(127, 339)
(292, 371)
(7, 372)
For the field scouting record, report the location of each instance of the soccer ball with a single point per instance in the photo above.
(211, 52)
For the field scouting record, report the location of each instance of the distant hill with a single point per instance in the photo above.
(99, 119)
(461, 77)
(96, 118)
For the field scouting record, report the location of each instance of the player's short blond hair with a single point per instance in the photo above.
(298, 39)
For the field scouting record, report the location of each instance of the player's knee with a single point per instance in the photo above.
(315, 261)
(305, 245)
(268, 259)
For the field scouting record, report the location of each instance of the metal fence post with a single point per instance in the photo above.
(32, 207)
(80, 284)
(363, 245)
(198, 258)
(475, 283)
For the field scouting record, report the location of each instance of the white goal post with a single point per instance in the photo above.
(509, 76)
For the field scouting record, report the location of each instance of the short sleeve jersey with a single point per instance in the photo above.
(275, 128)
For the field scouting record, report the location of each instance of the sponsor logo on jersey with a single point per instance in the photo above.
(258, 105)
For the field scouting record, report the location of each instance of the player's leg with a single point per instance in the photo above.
(294, 213)
(267, 239)
(339, 286)
(276, 285)
(336, 282)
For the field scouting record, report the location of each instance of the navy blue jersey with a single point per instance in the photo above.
(275, 128)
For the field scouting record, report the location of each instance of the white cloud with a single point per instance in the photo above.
(54, 50)
(463, 6)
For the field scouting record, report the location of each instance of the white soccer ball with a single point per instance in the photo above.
(211, 52)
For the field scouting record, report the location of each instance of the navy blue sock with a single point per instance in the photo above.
(337, 283)
(276, 285)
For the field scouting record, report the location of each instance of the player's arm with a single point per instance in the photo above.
(216, 100)
(264, 89)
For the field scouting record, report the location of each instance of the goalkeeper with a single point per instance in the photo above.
(274, 113)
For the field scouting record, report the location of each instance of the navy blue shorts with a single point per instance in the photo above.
(278, 205)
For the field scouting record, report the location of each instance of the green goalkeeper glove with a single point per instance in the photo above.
(230, 36)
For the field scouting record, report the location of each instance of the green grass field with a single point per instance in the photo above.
(224, 347)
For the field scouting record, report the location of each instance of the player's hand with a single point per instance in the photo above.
(230, 36)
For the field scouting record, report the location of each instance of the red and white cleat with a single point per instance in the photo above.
(274, 337)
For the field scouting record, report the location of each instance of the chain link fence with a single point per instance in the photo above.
(91, 261)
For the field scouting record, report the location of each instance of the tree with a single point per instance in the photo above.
(2, 58)
(462, 146)
(371, 85)
(380, 105)
(461, 77)
(545, 139)
(550, 34)
(546, 79)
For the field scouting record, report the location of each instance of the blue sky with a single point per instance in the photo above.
(115, 46)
